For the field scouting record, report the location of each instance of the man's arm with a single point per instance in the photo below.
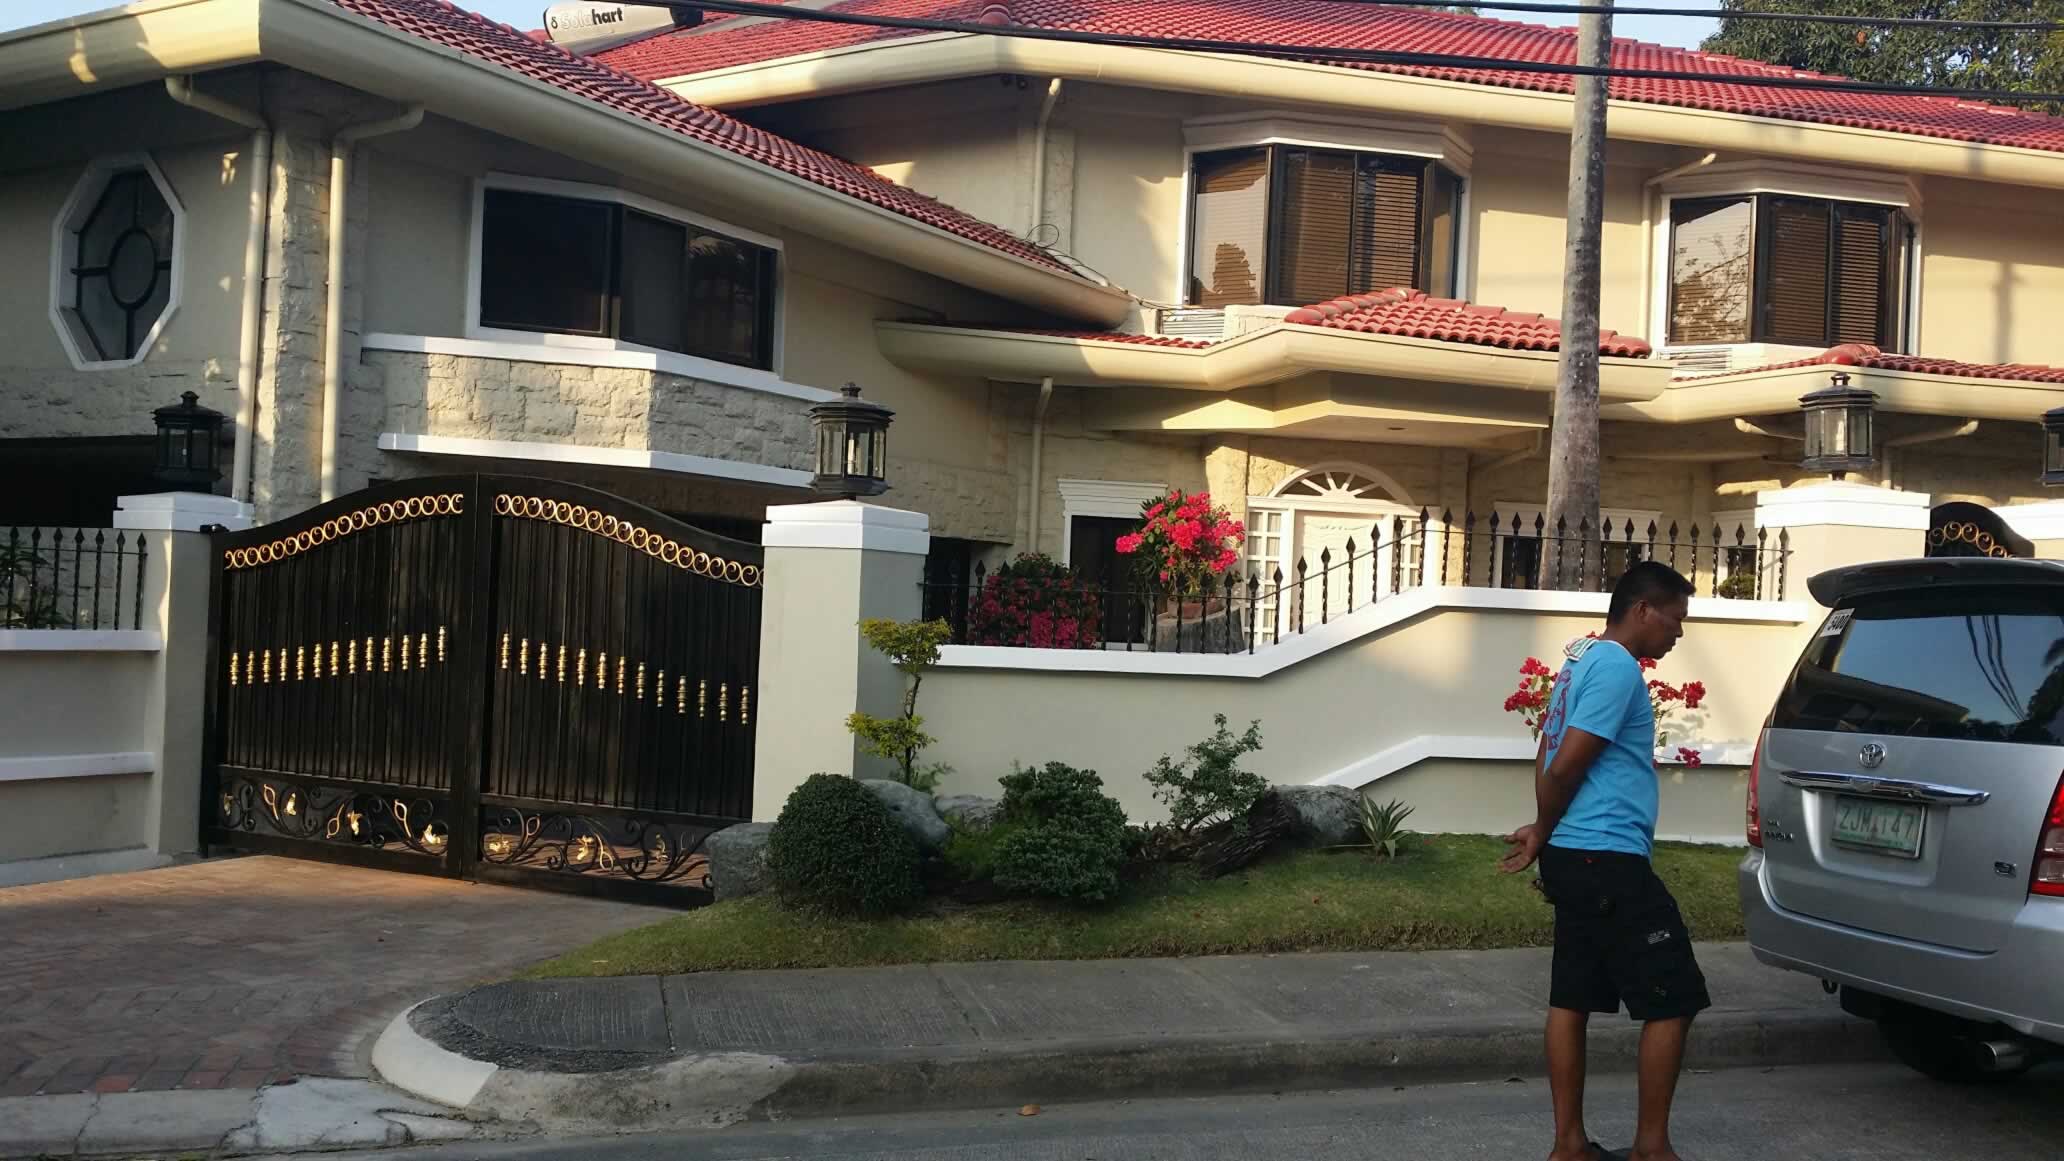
(1554, 788)
(1558, 784)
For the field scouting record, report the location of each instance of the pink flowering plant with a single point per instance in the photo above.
(1184, 542)
(1536, 693)
(1038, 602)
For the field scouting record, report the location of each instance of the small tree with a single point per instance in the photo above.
(1208, 786)
(912, 647)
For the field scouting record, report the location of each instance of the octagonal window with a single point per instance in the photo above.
(116, 282)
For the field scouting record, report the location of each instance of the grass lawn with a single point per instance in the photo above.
(1444, 892)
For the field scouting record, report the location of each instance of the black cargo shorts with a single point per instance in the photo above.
(1619, 938)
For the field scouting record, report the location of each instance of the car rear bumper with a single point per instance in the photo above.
(2018, 986)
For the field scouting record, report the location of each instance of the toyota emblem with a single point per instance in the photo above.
(1872, 755)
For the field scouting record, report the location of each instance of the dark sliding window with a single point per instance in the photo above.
(574, 266)
(1293, 226)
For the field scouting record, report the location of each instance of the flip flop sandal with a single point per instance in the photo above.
(1601, 1153)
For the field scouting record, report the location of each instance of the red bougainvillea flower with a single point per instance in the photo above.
(1130, 542)
(1533, 668)
(1694, 693)
(1690, 757)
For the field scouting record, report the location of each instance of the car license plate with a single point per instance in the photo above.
(1884, 828)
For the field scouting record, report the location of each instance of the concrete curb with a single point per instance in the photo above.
(717, 1089)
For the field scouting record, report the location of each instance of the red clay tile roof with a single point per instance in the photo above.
(1871, 358)
(1367, 26)
(1413, 314)
(498, 44)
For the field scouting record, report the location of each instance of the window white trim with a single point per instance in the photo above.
(1426, 139)
(1119, 499)
(1280, 497)
(1430, 139)
(1812, 181)
(64, 255)
(535, 348)
(605, 193)
(1745, 179)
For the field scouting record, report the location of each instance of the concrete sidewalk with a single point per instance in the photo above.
(671, 1052)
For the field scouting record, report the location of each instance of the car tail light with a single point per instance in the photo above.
(2049, 857)
(1756, 801)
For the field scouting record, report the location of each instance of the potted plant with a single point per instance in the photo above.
(1185, 546)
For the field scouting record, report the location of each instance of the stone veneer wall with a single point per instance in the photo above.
(611, 407)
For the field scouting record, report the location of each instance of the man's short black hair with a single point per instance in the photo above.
(1648, 580)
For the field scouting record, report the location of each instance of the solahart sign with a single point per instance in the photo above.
(586, 27)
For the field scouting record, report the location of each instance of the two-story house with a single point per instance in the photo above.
(1262, 211)
(388, 238)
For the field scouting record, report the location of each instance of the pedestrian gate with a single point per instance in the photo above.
(492, 677)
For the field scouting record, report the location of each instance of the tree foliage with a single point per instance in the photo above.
(2028, 62)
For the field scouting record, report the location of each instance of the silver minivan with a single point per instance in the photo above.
(1906, 810)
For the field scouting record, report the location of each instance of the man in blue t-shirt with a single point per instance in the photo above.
(1618, 935)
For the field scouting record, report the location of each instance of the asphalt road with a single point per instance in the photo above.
(1879, 1112)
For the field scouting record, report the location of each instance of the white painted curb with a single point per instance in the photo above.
(412, 1063)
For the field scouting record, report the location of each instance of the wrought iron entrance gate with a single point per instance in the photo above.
(494, 677)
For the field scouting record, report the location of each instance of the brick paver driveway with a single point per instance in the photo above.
(239, 972)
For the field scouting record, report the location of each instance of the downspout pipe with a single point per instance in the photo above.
(333, 305)
(1046, 110)
(1046, 386)
(181, 89)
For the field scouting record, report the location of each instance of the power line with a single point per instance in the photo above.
(1923, 22)
(1392, 57)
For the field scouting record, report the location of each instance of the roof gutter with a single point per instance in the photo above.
(327, 41)
(1272, 354)
(927, 59)
(139, 44)
(1906, 392)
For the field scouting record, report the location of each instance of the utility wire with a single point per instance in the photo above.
(1392, 57)
(1925, 22)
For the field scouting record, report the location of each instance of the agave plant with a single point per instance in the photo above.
(1385, 826)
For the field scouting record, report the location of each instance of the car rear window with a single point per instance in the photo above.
(1977, 664)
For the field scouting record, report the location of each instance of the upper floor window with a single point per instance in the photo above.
(1771, 268)
(570, 265)
(116, 281)
(1292, 226)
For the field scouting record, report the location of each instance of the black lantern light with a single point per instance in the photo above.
(1838, 428)
(852, 445)
(188, 435)
(2053, 447)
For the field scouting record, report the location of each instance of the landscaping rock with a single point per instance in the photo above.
(914, 810)
(1332, 815)
(971, 812)
(738, 860)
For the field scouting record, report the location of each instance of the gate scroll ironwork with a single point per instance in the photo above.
(492, 677)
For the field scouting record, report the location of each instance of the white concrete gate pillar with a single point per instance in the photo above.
(829, 567)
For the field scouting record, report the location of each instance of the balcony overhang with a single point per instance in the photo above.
(1278, 353)
(1776, 390)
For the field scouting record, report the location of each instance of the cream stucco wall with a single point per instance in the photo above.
(1444, 673)
(48, 151)
(950, 457)
(1451, 796)
(1992, 273)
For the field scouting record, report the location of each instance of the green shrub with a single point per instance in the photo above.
(837, 848)
(1065, 838)
(970, 855)
(912, 647)
(1208, 786)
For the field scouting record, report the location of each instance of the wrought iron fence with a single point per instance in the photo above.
(1244, 612)
(71, 578)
